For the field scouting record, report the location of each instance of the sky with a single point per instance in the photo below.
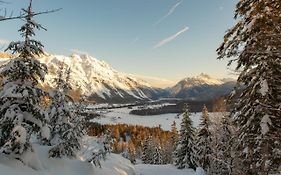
(169, 39)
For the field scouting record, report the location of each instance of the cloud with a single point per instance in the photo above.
(4, 42)
(76, 51)
(221, 8)
(171, 11)
(171, 38)
(155, 81)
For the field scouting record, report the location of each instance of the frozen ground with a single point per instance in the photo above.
(121, 115)
(113, 165)
(44, 165)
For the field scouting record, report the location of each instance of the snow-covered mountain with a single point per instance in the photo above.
(102, 83)
(187, 83)
(99, 80)
(201, 87)
(96, 79)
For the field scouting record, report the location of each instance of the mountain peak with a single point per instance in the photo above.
(98, 79)
(200, 87)
(200, 80)
(196, 81)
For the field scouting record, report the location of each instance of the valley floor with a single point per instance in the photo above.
(123, 116)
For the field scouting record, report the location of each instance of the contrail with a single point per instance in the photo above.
(171, 11)
(171, 38)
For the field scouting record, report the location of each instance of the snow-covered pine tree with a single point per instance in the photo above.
(174, 135)
(222, 139)
(157, 155)
(21, 112)
(170, 146)
(104, 147)
(222, 155)
(203, 142)
(132, 151)
(147, 155)
(60, 115)
(185, 153)
(107, 142)
(255, 44)
(225, 146)
(78, 120)
(67, 127)
(167, 152)
(215, 130)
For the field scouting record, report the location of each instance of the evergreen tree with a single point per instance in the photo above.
(102, 150)
(147, 153)
(175, 135)
(255, 43)
(203, 142)
(78, 121)
(185, 153)
(168, 152)
(222, 140)
(225, 145)
(107, 142)
(169, 145)
(157, 156)
(21, 112)
(222, 160)
(132, 152)
(68, 128)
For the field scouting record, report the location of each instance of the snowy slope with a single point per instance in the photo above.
(202, 79)
(44, 165)
(113, 165)
(144, 169)
(97, 79)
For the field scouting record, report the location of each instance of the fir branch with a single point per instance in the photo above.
(21, 16)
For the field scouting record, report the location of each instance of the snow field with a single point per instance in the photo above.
(121, 115)
(113, 165)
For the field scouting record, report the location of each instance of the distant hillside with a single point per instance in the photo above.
(201, 88)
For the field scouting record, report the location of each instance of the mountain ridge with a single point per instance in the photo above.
(98, 80)
(201, 87)
(102, 83)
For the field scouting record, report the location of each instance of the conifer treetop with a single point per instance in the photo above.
(21, 112)
(29, 47)
(6, 16)
(257, 21)
(25, 68)
(205, 121)
(184, 153)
